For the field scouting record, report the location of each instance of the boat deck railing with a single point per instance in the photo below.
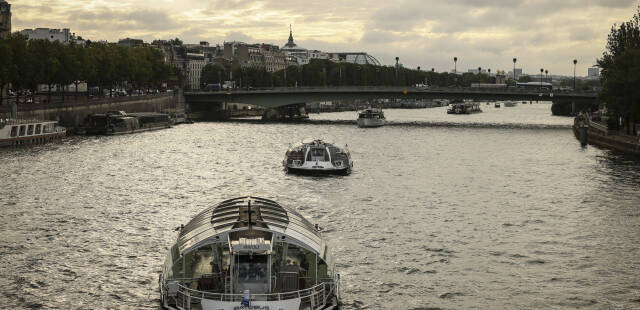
(187, 298)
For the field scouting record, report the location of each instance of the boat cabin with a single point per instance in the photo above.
(248, 245)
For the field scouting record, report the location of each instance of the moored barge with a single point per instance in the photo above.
(120, 122)
(462, 107)
(24, 132)
(249, 253)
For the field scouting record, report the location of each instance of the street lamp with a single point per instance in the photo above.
(541, 71)
(514, 69)
(455, 65)
(575, 61)
(546, 75)
(479, 70)
(397, 59)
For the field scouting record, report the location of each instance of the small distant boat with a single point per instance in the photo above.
(318, 157)
(497, 105)
(249, 253)
(120, 122)
(510, 104)
(462, 107)
(179, 118)
(371, 117)
(25, 132)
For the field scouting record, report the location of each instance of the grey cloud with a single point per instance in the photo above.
(238, 36)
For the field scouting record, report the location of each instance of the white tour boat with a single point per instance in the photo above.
(249, 253)
(371, 117)
(22, 132)
(318, 157)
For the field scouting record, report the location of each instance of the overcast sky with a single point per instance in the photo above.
(428, 33)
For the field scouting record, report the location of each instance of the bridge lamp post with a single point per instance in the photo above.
(514, 70)
(575, 61)
(541, 71)
(397, 59)
(455, 65)
(546, 75)
(418, 71)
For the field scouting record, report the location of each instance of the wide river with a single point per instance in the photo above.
(497, 210)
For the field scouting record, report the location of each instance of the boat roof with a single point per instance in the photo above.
(23, 121)
(245, 213)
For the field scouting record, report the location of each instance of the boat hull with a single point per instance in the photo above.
(371, 122)
(315, 171)
(32, 140)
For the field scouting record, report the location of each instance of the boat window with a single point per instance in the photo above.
(304, 261)
(38, 129)
(317, 152)
(22, 130)
(30, 130)
(47, 128)
(323, 271)
(14, 131)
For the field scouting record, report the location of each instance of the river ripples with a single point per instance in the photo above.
(501, 209)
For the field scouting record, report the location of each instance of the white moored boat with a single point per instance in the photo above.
(371, 117)
(318, 157)
(249, 253)
(21, 132)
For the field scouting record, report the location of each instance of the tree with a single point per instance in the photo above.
(620, 74)
(5, 66)
(213, 74)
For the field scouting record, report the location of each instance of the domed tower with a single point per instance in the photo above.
(5, 19)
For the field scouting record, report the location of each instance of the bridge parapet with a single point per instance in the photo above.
(281, 96)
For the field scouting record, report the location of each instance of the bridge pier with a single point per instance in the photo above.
(210, 111)
(297, 111)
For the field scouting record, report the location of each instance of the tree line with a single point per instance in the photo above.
(322, 72)
(620, 73)
(25, 64)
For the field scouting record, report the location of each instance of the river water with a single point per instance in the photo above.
(498, 210)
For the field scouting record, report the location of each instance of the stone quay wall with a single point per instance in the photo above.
(71, 113)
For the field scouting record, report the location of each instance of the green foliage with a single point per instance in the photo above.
(620, 73)
(213, 74)
(52, 63)
(525, 79)
(322, 72)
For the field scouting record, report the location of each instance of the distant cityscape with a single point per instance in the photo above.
(192, 58)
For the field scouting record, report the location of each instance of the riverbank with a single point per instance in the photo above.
(71, 113)
(599, 135)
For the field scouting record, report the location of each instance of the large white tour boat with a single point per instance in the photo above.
(371, 117)
(21, 132)
(249, 253)
(318, 157)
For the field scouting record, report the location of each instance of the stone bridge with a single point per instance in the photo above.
(279, 97)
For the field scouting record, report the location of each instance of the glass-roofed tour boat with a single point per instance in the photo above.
(249, 253)
(317, 157)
